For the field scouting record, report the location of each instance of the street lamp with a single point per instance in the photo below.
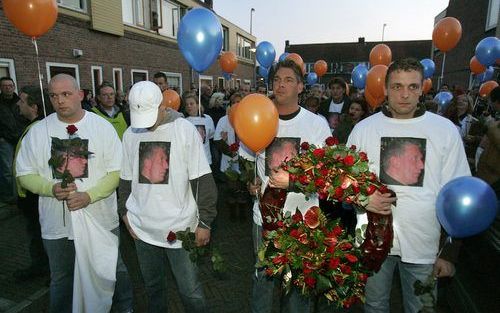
(383, 30)
(252, 48)
(251, 15)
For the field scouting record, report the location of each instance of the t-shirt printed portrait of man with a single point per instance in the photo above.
(402, 161)
(280, 150)
(203, 132)
(71, 156)
(154, 162)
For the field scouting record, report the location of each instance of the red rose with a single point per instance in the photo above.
(349, 160)
(363, 277)
(280, 224)
(324, 172)
(333, 263)
(322, 195)
(297, 217)
(71, 129)
(355, 189)
(339, 192)
(295, 233)
(292, 177)
(345, 246)
(351, 258)
(383, 189)
(280, 259)
(305, 145)
(319, 153)
(353, 148)
(330, 240)
(337, 230)
(171, 235)
(371, 189)
(319, 182)
(373, 177)
(331, 141)
(307, 271)
(346, 269)
(303, 179)
(330, 249)
(348, 200)
(363, 156)
(234, 147)
(310, 281)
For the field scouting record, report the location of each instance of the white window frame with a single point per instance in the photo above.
(223, 81)
(12, 69)
(132, 71)
(68, 65)
(247, 82)
(491, 4)
(170, 19)
(177, 75)
(92, 68)
(210, 78)
(83, 9)
(115, 83)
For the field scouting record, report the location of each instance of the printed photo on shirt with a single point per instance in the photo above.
(203, 132)
(154, 161)
(72, 156)
(402, 161)
(280, 150)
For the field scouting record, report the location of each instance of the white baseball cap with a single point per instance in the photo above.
(144, 99)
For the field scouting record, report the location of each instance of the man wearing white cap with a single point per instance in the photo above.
(160, 141)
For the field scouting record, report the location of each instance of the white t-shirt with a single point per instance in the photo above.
(416, 228)
(155, 209)
(305, 127)
(34, 155)
(336, 107)
(224, 126)
(206, 129)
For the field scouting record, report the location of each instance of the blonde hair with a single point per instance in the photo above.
(215, 97)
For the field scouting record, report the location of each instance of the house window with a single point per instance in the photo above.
(169, 19)
(139, 75)
(206, 80)
(7, 69)
(118, 79)
(238, 84)
(79, 5)
(225, 36)
(243, 46)
(174, 81)
(133, 12)
(492, 17)
(220, 83)
(62, 68)
(96, 77)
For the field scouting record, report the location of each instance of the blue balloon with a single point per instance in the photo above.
(200, 38)
(358, 76)
(227, 76)
(488, 51)
(264, 72)
(486, 75)
(429, 67)
(443, 98)
(265, 54)
(466, 206)
(312, 78)
(283, 56)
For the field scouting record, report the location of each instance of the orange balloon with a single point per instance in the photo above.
(32, 17)
(298, 60)
(487, 87)
(256, 121)
(426, 87)
(380, 54)
(374, 102)
(375, 80)
(475, 66)
(231, 113)
(228, 61)
(171, 99)
(320, 68)
(447, 33)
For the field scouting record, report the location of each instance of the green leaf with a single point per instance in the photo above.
(323, 284)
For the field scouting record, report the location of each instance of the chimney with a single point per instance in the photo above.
(361, 39)
(287, 43)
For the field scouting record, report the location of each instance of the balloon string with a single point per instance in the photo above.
(255, 174)
(442, 70)
(447, 241)
(39, 75)
(199, 95)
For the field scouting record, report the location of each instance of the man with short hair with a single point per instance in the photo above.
(431, 155)
(154, 165)
(108, 109)
(339, 102)
(296, 125)
(206, 94)
(262, 89)
(160, 79)
(154, 209)
(78, 221)
(244, 89)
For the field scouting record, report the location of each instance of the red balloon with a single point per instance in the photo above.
(32, 17)
(298, 60)
(228, 61)
(447, 33)
(380, 54)
(427, 85)
(256, 121)
(487, 87)
(475, 66)
(171, 99)
(375, 80)
(320, 68)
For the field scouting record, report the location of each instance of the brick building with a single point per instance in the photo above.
(121, 41)
(342, 57)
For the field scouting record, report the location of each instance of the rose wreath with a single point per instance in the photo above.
(315, 254)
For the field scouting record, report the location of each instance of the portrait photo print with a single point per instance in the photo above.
(402, 161)
(74, 157)
(154, 161)
(203, 132)
(280, 150)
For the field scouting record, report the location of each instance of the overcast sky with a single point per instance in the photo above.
(319, 21)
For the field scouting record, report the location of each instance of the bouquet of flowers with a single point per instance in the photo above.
(316, 256)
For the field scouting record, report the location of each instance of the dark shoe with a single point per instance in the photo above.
(31, 272)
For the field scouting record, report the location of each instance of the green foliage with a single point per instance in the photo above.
(198, 254)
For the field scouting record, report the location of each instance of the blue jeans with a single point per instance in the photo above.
(61, 253)
(153, 262)
(263, 288)
(378, 287)
(7, 184)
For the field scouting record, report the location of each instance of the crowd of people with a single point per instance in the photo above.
(156, 171)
